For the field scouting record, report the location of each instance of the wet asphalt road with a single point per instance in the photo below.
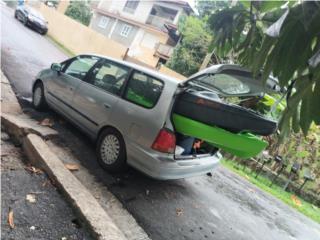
(223, 206)
(49, 217)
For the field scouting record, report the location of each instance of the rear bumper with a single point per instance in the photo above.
(164, 167)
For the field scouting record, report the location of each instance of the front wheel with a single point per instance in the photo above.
(38, 98)
(111, 151)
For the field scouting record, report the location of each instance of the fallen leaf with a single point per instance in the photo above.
(72, 166)
(46, 183)
(251, 190)
(47, 122)
(247, 177)
(179, 212)
(296, 200)
(34, 170)
(32, 228)
(31, 198)
(147, 192)
(10, 218)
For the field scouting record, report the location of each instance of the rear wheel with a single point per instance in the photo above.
(38, 98)
(43, 32)
(111, 151)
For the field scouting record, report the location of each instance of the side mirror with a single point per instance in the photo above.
(56, 67)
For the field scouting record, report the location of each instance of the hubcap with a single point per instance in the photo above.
(37, 96)
(109, 150)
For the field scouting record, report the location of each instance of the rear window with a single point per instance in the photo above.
(226, 83)
(143, 90)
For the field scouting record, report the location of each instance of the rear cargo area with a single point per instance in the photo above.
(205, 128)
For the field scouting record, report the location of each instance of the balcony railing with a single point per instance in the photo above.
(157, 21)
(164, 50)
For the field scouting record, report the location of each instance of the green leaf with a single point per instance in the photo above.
(270, 5)
(315, 108)
(306, 113)
(295, 121)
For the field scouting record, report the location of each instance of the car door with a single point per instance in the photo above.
(63, 85)
(22, 13)
(96, 98)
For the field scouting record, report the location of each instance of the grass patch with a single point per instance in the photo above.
(305, 208)
(63, 48)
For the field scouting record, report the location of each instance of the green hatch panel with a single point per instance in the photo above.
(243, 145)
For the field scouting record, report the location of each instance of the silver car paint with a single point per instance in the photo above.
(139, 126)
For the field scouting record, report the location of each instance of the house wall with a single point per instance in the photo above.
(116, 34)
(94, 24)
(141, 13)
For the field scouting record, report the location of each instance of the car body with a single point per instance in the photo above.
(102, 95)
(32, 18)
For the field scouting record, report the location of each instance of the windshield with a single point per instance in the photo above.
(36, 14)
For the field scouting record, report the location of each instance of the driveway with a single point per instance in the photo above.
(223, 206)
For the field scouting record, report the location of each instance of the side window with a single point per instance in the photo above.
(110, 77)
(143, 90)
(80, 66)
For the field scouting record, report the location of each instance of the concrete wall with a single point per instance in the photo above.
(79, 38)
(163, 69)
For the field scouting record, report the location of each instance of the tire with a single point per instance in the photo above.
(111, 151)
(38, 98)
(43, 32)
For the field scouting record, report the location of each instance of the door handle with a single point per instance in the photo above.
(106, 105)
(90, 99)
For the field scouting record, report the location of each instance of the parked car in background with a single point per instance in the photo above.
(32, 18)
(128, 111)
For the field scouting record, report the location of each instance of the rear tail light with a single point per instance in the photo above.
(165, 141)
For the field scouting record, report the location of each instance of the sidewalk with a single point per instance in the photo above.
(39, 211)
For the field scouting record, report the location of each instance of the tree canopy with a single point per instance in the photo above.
(80, 11)
(281, 38)
(190, 52)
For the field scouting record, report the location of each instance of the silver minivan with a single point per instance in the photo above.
(126, 109)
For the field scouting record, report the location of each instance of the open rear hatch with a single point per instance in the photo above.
(202, 112)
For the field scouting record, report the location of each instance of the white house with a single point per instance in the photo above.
(147, 28)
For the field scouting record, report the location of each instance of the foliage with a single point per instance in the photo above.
(11, 3)
(283, 41)
(205, 8)
(80, 11)
(306, 208)
(304, 150)
(190, 52)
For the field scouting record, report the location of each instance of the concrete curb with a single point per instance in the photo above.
(87, 206)
(30, 134)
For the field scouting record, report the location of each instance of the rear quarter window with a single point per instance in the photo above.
(143, 90)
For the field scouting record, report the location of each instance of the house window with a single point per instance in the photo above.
(103, 22)
(125, 30)
(131, 6)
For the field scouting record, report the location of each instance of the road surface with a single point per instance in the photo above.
(223, 206)
(33, 218)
